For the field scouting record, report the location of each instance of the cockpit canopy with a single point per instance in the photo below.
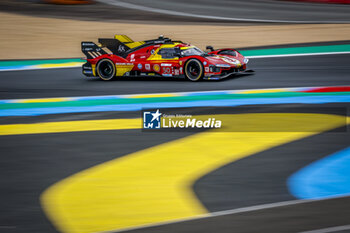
(191, 51)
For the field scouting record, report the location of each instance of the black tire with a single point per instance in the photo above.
(106, 69)
(194, 70)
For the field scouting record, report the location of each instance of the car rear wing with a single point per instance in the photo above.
(91, 50)
(120, 45)
(115, 46)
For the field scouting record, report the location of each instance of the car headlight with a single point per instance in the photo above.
(223, 65)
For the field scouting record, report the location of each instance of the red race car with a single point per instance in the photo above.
(122, 56)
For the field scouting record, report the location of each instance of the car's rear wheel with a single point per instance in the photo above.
(193, 70)
(106, 69)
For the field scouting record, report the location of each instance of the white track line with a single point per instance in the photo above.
(330, 229)
(177, 13)
(228, 212)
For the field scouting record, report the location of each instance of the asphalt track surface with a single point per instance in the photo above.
(301, 71)
(32, 163)
(158, 11)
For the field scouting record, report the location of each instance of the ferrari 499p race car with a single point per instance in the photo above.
(122, 56)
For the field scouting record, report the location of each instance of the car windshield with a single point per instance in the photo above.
(191, 52)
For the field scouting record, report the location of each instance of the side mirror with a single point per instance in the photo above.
(210, 48)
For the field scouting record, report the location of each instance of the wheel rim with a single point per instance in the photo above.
(194, 70)
(106, 70)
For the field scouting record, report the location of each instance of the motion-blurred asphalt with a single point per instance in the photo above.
(32, 163)
(270, 72)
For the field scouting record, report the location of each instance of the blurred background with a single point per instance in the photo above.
(33, 29)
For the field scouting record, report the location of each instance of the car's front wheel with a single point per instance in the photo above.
(193, 70)
(106, 69)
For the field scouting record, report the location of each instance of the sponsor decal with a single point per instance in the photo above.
(181, 70)
(121, 48)
(132, 57)
(151, 74)
(152, 51)
(127, 74)
(158, 120)
(124, 64)
(142, 57)
(167, 75)
(205, 63)
(88, 44)
(180, 62)
(165, 64)
(156, 67)
(139, 66)
(147, 66)
(207, 69)
(177, 72)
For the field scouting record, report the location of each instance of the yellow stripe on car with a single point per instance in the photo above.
(93, 67)
(135, 44)
(123, 38)
(156, 57)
